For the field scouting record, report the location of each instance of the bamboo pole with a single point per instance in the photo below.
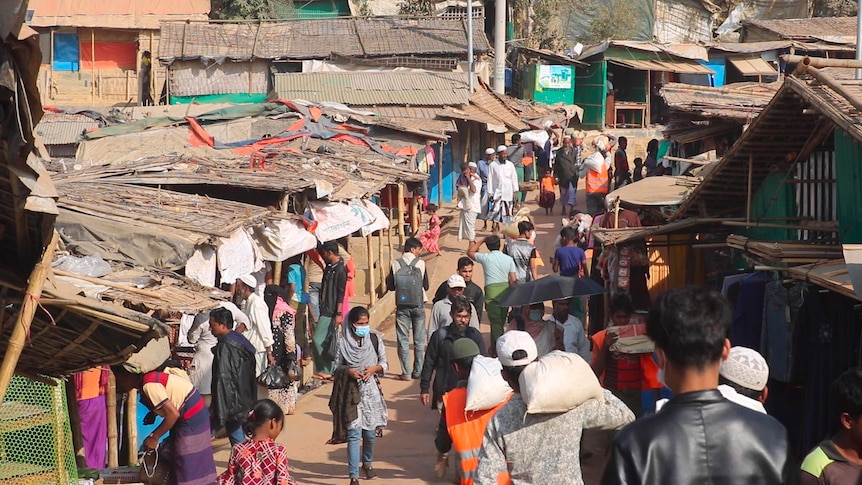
(372, 292)
(820, 62)
(21, 331)
(93, 64)
(401, 236)
(750, 181)
(132, 425)
(414, 214)
(380, 266)
(75, 423)
(119, 286)
(276, 268)
(113, 445)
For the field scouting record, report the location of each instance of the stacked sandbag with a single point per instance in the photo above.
(558, 382)
(486, 387)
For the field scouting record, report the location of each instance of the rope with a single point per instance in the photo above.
(36, 299)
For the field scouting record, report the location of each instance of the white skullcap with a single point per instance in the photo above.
(489, 151)
(745, 367)
(249, 281)
(502, 148)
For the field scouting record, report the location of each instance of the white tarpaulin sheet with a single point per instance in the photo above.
(236, 256)
(201, 267)
(282, 239)
(380, 220)
(335, 220)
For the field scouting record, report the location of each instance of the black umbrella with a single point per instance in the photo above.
(549, 288)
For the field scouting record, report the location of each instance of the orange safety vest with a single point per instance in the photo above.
(467, 428)
(597, 182)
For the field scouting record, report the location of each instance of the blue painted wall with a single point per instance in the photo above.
(449, 176)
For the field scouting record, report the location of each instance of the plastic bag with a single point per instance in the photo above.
(93, 266)
(330, 345)
(273, 377)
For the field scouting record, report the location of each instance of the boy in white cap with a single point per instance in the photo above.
(539, 448)
(441, 311)
(259, 330)
(742, 378)
(502, 185)
(482, 169)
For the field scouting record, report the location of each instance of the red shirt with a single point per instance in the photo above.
(257, 463)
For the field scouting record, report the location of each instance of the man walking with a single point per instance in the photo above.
(698, 436)
(483, 168)
(409, 280)
(539, 448)
(500, 273)
(470, 202)
(259, 330)
(438, 363)
(595, 171)
(233, 384)
(472, 292)
(524, 253)
(622, 171)
(332, 288)
(566, 172)
(502, 185)
(516, 156)
(574, 337)
(440, 312)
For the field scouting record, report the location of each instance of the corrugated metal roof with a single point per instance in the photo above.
(808, 29)
(375, 88)
(415, 118)
(317, 39)
(679, 67)
(753, 66)
(63, 129)
(750, 47)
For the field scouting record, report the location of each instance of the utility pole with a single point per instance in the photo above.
(470, 44)
(859, 42)
(499, 46)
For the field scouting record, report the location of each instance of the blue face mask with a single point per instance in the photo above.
(536, 315)
(362, 331)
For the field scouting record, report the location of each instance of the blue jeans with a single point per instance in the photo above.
(235, 433)
(409, 319)
(314, 298)
(353, 435)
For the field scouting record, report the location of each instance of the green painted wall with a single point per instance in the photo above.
(774, 199)
(591, 92)
(537, 84)
(848, 172)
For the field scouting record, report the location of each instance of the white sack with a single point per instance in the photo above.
(558, 382)
(486, 387)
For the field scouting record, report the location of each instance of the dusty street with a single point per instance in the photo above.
(405, 454)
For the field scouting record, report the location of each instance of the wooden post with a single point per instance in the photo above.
(93, 63)
(132, 425)
(372, 290)
(414, 214)
(645, 122)
(380, 266)
(113, 444)
(439, 177)
(467, 144)
(276, 268)
(153, 71)
(25, 316)
(401, 236)
(75, 423)
(750, 177)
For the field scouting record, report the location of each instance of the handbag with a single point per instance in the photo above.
(155, 465)
(330, 345)
(273, 377)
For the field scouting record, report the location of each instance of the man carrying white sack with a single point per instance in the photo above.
(542, 448)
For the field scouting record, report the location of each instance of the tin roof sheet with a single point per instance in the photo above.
(64, 129)
(376, 88)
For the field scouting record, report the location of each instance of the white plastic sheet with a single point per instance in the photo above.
(337, 220)
(201, 267)
(282, 239)
(236, 256)
(380, 220)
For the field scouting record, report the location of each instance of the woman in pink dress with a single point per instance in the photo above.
(431, 237)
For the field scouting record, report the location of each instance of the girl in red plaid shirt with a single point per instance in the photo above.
(259, 460)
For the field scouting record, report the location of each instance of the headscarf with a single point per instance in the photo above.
(276, 300)
(357, 356)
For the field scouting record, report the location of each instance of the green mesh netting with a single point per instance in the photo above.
(35, 437)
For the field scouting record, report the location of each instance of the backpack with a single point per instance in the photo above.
(408, 284)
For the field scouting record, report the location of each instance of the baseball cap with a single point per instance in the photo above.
(464, 347)
(745, 367)
(502, 148)
(457, 281)
(249, 281)
(489, 151)
(516, 348)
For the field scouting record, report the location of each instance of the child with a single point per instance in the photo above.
(639, 169)
(569, 259)
(430, 237)
(547, 197)
(259, 460)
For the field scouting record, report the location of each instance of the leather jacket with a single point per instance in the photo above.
(234, 385)
(701, 438)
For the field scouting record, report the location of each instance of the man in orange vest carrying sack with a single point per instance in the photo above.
(466, 428)
(595, 171)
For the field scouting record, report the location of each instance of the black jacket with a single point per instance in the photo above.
(234, 382)
(344, 403)
(701, 438)
(438, 361)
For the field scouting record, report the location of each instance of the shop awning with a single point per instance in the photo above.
(753, 66)
(677, 66)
